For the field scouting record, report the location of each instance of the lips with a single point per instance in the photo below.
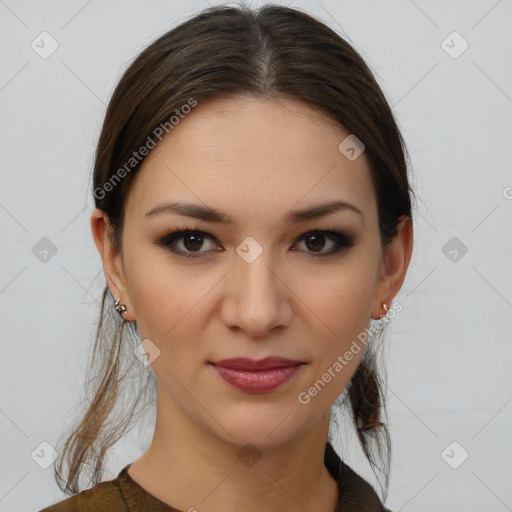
(268, 363)
(257, 376)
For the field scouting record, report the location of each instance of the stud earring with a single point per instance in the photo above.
(120, 308)
(385, 306)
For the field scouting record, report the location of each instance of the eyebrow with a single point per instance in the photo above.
(213, 215)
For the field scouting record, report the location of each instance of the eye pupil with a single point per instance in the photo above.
(191, 247)
(319, 242)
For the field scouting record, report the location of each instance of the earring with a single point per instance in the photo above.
(385, 306)
(121, 308)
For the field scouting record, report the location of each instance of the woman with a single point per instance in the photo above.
(253, 217)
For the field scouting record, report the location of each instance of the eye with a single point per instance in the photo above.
(188, 242)
(315, 241)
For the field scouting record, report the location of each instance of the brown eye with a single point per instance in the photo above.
(316, 240)
(191, 241)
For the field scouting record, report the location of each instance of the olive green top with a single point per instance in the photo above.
(123, 494)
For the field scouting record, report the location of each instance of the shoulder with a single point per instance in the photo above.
(356, 494)
(101, 497)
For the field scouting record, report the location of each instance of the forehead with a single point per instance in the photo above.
(245, 154)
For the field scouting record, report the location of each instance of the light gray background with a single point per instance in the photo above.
(450, 349)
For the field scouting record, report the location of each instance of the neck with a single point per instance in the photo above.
(190, 468)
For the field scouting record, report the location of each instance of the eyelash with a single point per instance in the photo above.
(342, 240)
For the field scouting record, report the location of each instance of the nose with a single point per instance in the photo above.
(256, 299)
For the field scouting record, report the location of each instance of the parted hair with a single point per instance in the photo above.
(228, 51)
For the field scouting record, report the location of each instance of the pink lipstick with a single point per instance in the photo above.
(257, 376)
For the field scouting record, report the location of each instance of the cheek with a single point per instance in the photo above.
(340, 307)
(168, 300)
(342, 314)
(340, 298)
(151, 287)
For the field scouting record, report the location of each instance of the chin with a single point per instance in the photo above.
(265, 428)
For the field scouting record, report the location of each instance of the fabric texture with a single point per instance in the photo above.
(123, 494)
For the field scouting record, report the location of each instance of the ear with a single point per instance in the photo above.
(394, 266)
(112, 260)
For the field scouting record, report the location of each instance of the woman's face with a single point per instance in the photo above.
(254, 286)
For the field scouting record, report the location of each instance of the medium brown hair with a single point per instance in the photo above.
(222, 52)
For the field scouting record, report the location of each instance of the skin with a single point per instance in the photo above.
(254, 160)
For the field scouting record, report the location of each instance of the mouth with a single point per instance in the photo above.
(257, 376)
